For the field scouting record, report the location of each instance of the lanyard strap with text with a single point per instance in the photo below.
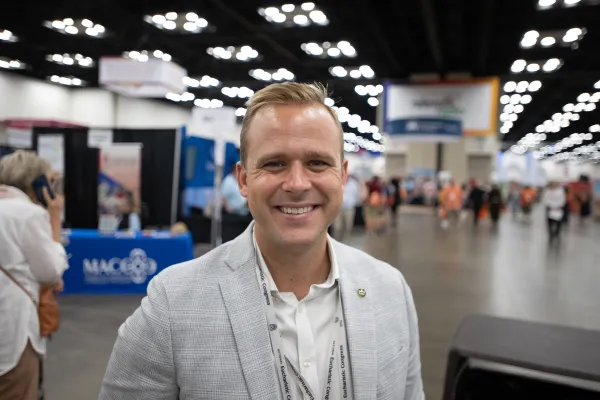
(338, 350)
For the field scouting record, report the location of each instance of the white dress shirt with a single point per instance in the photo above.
(306, 327)
(31, 256)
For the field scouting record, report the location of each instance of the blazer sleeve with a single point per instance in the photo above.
(414, 382)
(141, 365)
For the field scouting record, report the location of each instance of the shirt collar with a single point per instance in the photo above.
(334, 272)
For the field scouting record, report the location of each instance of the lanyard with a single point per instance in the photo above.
(338, 351)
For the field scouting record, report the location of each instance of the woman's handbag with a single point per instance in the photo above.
(47, 307)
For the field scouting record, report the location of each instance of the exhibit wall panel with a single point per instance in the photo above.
(33, 99)
(133, 113)
(93, 107)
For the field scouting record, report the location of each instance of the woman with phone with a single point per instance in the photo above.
(31, 257)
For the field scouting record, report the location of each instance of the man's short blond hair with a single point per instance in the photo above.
(20, 168)
(285, 93)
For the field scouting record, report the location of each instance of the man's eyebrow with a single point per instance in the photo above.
(311, 154)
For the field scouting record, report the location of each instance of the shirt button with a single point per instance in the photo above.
(307, 364)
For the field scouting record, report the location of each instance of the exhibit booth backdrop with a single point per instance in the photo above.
(160, 155)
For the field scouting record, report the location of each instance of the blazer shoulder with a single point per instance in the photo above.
(209, 267)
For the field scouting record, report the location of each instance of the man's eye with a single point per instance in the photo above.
(317, 163)
(273, 164)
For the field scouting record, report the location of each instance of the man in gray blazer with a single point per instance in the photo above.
(283, 311)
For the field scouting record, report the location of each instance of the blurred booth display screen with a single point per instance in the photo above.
(119, 182)
(153, 78)
(440, 111)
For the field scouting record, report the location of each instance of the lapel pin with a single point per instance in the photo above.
(362, 292)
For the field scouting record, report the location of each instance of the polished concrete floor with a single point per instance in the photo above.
(511, 272)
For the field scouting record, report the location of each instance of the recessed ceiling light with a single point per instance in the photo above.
(518, 66)
(290, 15)
(70, 26)
(7, 36)
(66, 80)
(329, 49)
(188, 23)
(239, 53)
(510, 86)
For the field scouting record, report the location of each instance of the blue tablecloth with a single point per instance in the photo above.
(120, 263)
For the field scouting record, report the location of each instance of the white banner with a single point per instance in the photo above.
(100, 137)
(441, 110)
(52, 149)
(20, 138)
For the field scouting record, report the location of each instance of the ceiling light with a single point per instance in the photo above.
(333, 52)
(546, 3)
(71, 30)
(355, 74)
(575, 117)
(287, 8)
(597, 85)
(308, 6)
(301, 19)
(595, 128)
(533, 67)
(504, 99)
(190, 26)
(540, 128)
(361, 90)
(522, 86)
(551, 65)
(518, 66)
(318, 17)
(548, 41)
(571, 2)
(512, 117)
(590, 107)
(339, 71)
(595, 98)
(568, 107)
(564, 123)
(509, 108)
(510, 86)
(172, 16)
(528, 41)
(279, 18)
(534, 86)
(504, 130)
(191, 16)
(515, 99)
(583, 97)
(526, 99)
(373, 102)
(504, 117)
(508, 124)
(366, 71)
(579, 107)
(519, 108)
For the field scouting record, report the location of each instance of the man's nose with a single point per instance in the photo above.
(297, 179)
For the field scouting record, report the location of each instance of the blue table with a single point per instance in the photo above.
(121, 263)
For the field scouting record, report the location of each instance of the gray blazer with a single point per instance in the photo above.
(201, 332)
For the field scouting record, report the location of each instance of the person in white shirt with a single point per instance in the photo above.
(344, 222)
(554, 199)
(283, 311)
(30, 251)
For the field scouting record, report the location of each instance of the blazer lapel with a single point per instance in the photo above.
(243, 301)
(360, 326)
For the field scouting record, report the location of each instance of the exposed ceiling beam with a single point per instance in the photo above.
(433, 38)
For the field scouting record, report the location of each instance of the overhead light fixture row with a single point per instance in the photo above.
(208, 103)
(71, 59)
(546, 39)
(278, 75)
(240, 92)
(550, 4)
(364, 71)
(290, 15)
(70, 26)
(241, 53)
(551, 65)
(7, 36)
(188, 23)
(184, 97)
(66, 80)
(342, 48)
(7, 63)
(205, 81)
(145, 55)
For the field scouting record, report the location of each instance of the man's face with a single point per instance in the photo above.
(294, 173)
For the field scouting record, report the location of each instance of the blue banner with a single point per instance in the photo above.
(424, 128)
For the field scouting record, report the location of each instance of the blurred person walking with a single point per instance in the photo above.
(476, 200)
(32, 262)
(451, 199)
(375, 207)
(496, 203)
(528, 196)
(395, 199)
(284, 311)
(554, 200)
(344, 222)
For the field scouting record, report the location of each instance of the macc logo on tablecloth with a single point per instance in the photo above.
(134, 269)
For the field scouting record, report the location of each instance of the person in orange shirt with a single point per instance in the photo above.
(527, 199)
(451, 198)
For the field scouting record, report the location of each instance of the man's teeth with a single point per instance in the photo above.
(303, 210)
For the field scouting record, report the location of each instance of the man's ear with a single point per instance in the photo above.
(344, 171)
(242, 179)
